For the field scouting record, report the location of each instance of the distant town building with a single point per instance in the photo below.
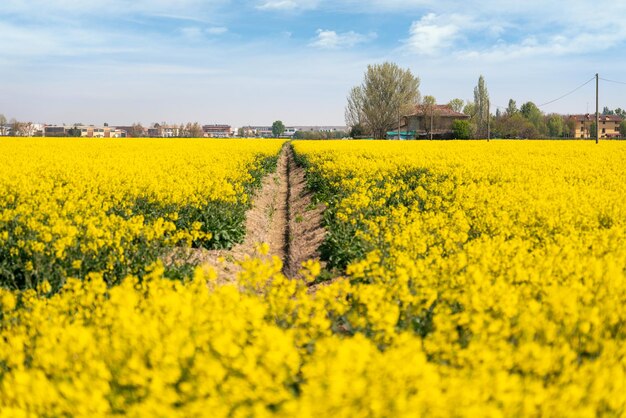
(163, 131)
(133, 131)
(257, 131)
(609, 125)
(84, 131)
(52, 130)
(322, 128)
(290, 131)
(217, 131)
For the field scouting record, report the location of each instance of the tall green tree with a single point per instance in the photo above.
(481, 107)
(516, 126)
(570, 129)
(534, 115)
(470, 109)
(511, 108)
(556, 126)
(278, 128)
(530, 111)
(357, 131)
(592, 130)
(462, 129)
(456, 104)
(386, 93)
(622, 129)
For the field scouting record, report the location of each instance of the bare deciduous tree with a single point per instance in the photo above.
(387, 93)
(136, 130)
(354, 109)
(3, 122)
(195, 130)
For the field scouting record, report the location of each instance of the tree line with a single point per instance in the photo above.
(136, 130)
(16, 127)
(188, 130)
(388, 92)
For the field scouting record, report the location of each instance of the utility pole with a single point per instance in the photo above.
(432, 112)
(399, 123)
(597, 112)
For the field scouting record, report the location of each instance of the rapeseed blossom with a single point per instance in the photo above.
(473, 279)
(71, 206)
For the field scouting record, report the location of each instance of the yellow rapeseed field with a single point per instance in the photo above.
(480, 279)
(72, 206)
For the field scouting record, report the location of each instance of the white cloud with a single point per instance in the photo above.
(530, 29)
(433, 34)
(565, 42)
(29, 41)
(288, 5)
(78, 7)
(363, 6)
(329, 39)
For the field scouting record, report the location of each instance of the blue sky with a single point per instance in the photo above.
(253, 62)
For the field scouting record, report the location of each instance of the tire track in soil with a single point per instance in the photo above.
(282, 215)
(304, 227)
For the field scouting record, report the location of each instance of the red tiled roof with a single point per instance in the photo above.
(592, 117)
(441, 110)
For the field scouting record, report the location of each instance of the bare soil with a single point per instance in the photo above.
(305, 231)
(282, 215)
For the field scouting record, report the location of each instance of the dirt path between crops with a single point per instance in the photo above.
(282, 215)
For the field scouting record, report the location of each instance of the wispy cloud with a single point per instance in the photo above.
(109, 7)
(563, 42)
(192, 32)
(288, 5)
(329, 39)
(21, 41)
(197, 33)
(216, 30)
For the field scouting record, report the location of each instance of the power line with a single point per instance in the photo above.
(612, 81)
(567, 94)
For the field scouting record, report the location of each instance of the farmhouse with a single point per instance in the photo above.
(609, 125)
(425, 120)
(437, 120)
